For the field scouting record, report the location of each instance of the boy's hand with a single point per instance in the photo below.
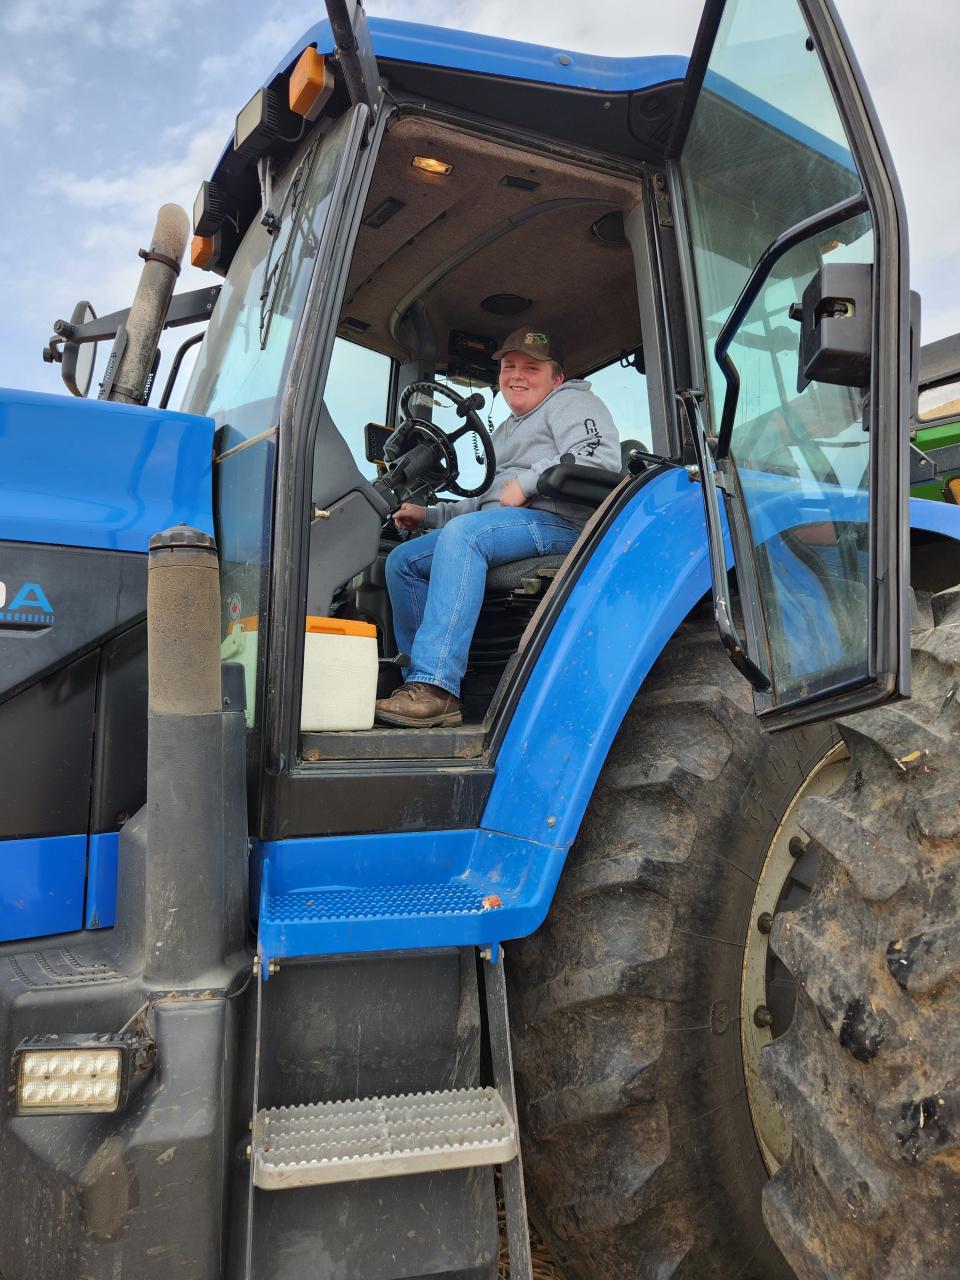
(409, 516)
(512, 495)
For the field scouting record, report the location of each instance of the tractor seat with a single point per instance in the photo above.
(509, 577)
(569, 482)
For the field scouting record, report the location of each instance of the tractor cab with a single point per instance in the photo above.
(380, 233)
(459, 239)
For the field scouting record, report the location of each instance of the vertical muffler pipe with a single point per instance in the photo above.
(187, 929)
(148, 312)
(183, 624)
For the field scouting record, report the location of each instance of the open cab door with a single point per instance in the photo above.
(798, 283)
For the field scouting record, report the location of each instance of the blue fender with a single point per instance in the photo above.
(653, 564)
(641, 582)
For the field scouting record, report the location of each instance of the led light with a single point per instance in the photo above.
(57, 1075)
(258, 123)
(81, 1079)
(208, 208)
(311, 84)
(428, 165)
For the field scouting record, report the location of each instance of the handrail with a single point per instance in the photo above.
(774, 251)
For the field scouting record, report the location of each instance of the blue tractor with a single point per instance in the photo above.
(255, 970)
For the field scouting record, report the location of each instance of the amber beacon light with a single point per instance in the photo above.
(311, 84)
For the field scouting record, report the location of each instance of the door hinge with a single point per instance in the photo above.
(662, 200)
(736, 651)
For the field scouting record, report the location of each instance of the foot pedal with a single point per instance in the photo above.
(398, 660)
(364, 1138)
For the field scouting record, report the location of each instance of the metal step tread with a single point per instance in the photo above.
(391, 901)
(363, 1138)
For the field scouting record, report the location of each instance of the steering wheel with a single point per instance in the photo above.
(443, 442)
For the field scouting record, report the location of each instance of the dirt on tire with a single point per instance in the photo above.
(868, 1075)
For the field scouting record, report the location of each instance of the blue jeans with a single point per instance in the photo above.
(437, 580)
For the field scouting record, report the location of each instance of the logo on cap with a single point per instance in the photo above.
(539, 338)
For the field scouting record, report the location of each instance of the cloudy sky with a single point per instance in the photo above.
(110, 107)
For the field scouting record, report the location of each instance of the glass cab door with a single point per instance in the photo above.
(797, 244)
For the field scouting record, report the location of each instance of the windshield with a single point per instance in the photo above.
(767, 149)
(239, 376)
(239, 381)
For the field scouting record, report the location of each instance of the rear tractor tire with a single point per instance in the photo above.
(868, 1076)
(664, 1055)
(640, 1148)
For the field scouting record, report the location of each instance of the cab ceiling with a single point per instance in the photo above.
(457, 240)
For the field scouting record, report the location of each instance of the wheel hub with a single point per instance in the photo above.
(768, 993)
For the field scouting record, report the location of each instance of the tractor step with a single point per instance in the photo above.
(417, 891)
(310, 922)
(364, 1138)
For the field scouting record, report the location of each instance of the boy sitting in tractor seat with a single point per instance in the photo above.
(437, 581)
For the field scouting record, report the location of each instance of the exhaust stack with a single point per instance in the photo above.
(131, 362)
(183, 865)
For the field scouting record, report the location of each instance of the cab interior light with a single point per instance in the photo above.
(311, 84)
(429, 164)
(64, 1075)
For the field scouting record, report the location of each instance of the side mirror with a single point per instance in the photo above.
(835, 326)
(79, 358)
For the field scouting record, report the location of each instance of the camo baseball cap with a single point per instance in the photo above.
(534, 342)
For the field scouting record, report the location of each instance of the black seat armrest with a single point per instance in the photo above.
(573, 482)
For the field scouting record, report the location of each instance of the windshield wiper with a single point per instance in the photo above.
(774, 251)
(273, 269)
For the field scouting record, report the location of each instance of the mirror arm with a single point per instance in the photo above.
(722, 612)
(774, 251)
(185, 308)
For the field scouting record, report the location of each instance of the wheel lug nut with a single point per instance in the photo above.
(762, 1016)
(764, 921)
(797, 847)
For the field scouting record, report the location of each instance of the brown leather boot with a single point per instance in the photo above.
(416, 705)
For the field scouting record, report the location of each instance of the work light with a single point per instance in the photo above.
(258, 123)
(61, 1075)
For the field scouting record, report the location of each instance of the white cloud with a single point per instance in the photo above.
(14, 96)
(913, 86)
(108, 218)
(25, 17)
(261, 51)
(147, 186)
(117, 23)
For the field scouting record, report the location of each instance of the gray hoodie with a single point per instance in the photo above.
(571, 419)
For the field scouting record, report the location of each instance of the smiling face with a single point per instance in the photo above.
(525, 381)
